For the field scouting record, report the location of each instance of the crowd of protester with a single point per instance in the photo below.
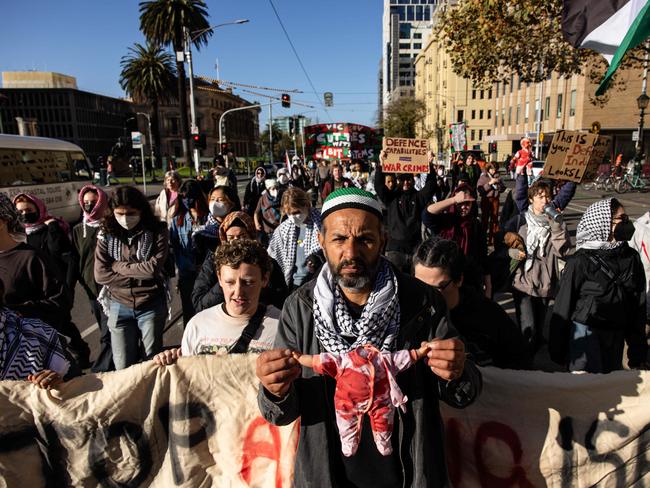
(329, 257)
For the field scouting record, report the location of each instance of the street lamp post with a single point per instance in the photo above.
(153, 158)
(190, 37)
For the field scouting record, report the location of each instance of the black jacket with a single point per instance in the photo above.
(207, 292)
(55, 244)
(490, 335)
(252, 195)
(608, 297)
(311, 397)
(403, 211)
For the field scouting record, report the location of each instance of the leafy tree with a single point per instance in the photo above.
(403, 117)
(166, 23)
(488, 41)
(278, 149)
(148, 76)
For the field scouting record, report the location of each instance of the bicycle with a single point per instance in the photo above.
(630, 182)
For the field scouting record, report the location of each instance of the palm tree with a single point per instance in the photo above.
(166, 22)
(148, 76)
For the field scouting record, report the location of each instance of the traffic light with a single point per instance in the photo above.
(199, 141)
(286, 100)
(492, 147)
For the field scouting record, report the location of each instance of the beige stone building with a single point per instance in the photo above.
(508, 111)
(450, 99)
(37, 79)
(565, 104)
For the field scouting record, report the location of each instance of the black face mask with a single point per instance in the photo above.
(88, 207)
(624, 231)
(29, 217)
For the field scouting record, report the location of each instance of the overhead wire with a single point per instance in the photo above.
(302, 66)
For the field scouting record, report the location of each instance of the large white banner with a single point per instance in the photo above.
(197, 424)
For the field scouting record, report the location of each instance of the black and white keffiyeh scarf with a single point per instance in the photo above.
(284, 240)
(379, 321)
(595, 227)
(144, 243)
(537, 235)
(28, 346)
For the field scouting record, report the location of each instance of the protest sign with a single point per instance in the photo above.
(342, 141)
(575, 156)
(406, 155)
(457, 137)
(197, 424)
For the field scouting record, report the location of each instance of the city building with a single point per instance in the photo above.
(240, 128)
(565, 104)
(50, 105)
(37, 79)
(406, 25)
(451, 99)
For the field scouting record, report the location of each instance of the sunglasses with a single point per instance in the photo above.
(442, 286)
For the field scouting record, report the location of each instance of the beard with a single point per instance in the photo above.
(360, 280)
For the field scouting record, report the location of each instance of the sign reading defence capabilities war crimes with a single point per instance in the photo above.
(406, 155)
(342, 141)
(575, 156)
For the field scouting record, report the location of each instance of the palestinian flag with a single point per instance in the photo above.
(610, 27)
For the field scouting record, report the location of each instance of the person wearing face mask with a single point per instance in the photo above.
(130, 258)
(189, 218)
(254, 190)
(207, 291)
(535, 278)
(404, 206)
(267, 214)
(489, 188)
(93, 202)
(296, 238)
(600, 304)
(48, 234)
(283, 180)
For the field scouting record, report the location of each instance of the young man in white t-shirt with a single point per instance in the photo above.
(243, 269)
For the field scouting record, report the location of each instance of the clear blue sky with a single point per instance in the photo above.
(338, 41)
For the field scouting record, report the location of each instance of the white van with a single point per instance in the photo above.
(49, 169)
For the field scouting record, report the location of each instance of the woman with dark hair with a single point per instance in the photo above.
(190, 216)
(93, 202)
(207, 290)
(491, 336)
(600, 304)
(46, 233)
(254, 190)
(130, 257)
(221, 201)
(455, 218)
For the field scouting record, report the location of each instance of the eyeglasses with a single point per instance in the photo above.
(442, 286)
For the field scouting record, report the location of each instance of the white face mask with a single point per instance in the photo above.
(273, 192)
(441, 172)
(127, 221)
(298, 219)
(283, 179)
(218, 209)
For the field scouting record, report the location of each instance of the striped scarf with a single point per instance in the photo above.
(379, 322)
(28, 346)
(144, 242)
(284, 242)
